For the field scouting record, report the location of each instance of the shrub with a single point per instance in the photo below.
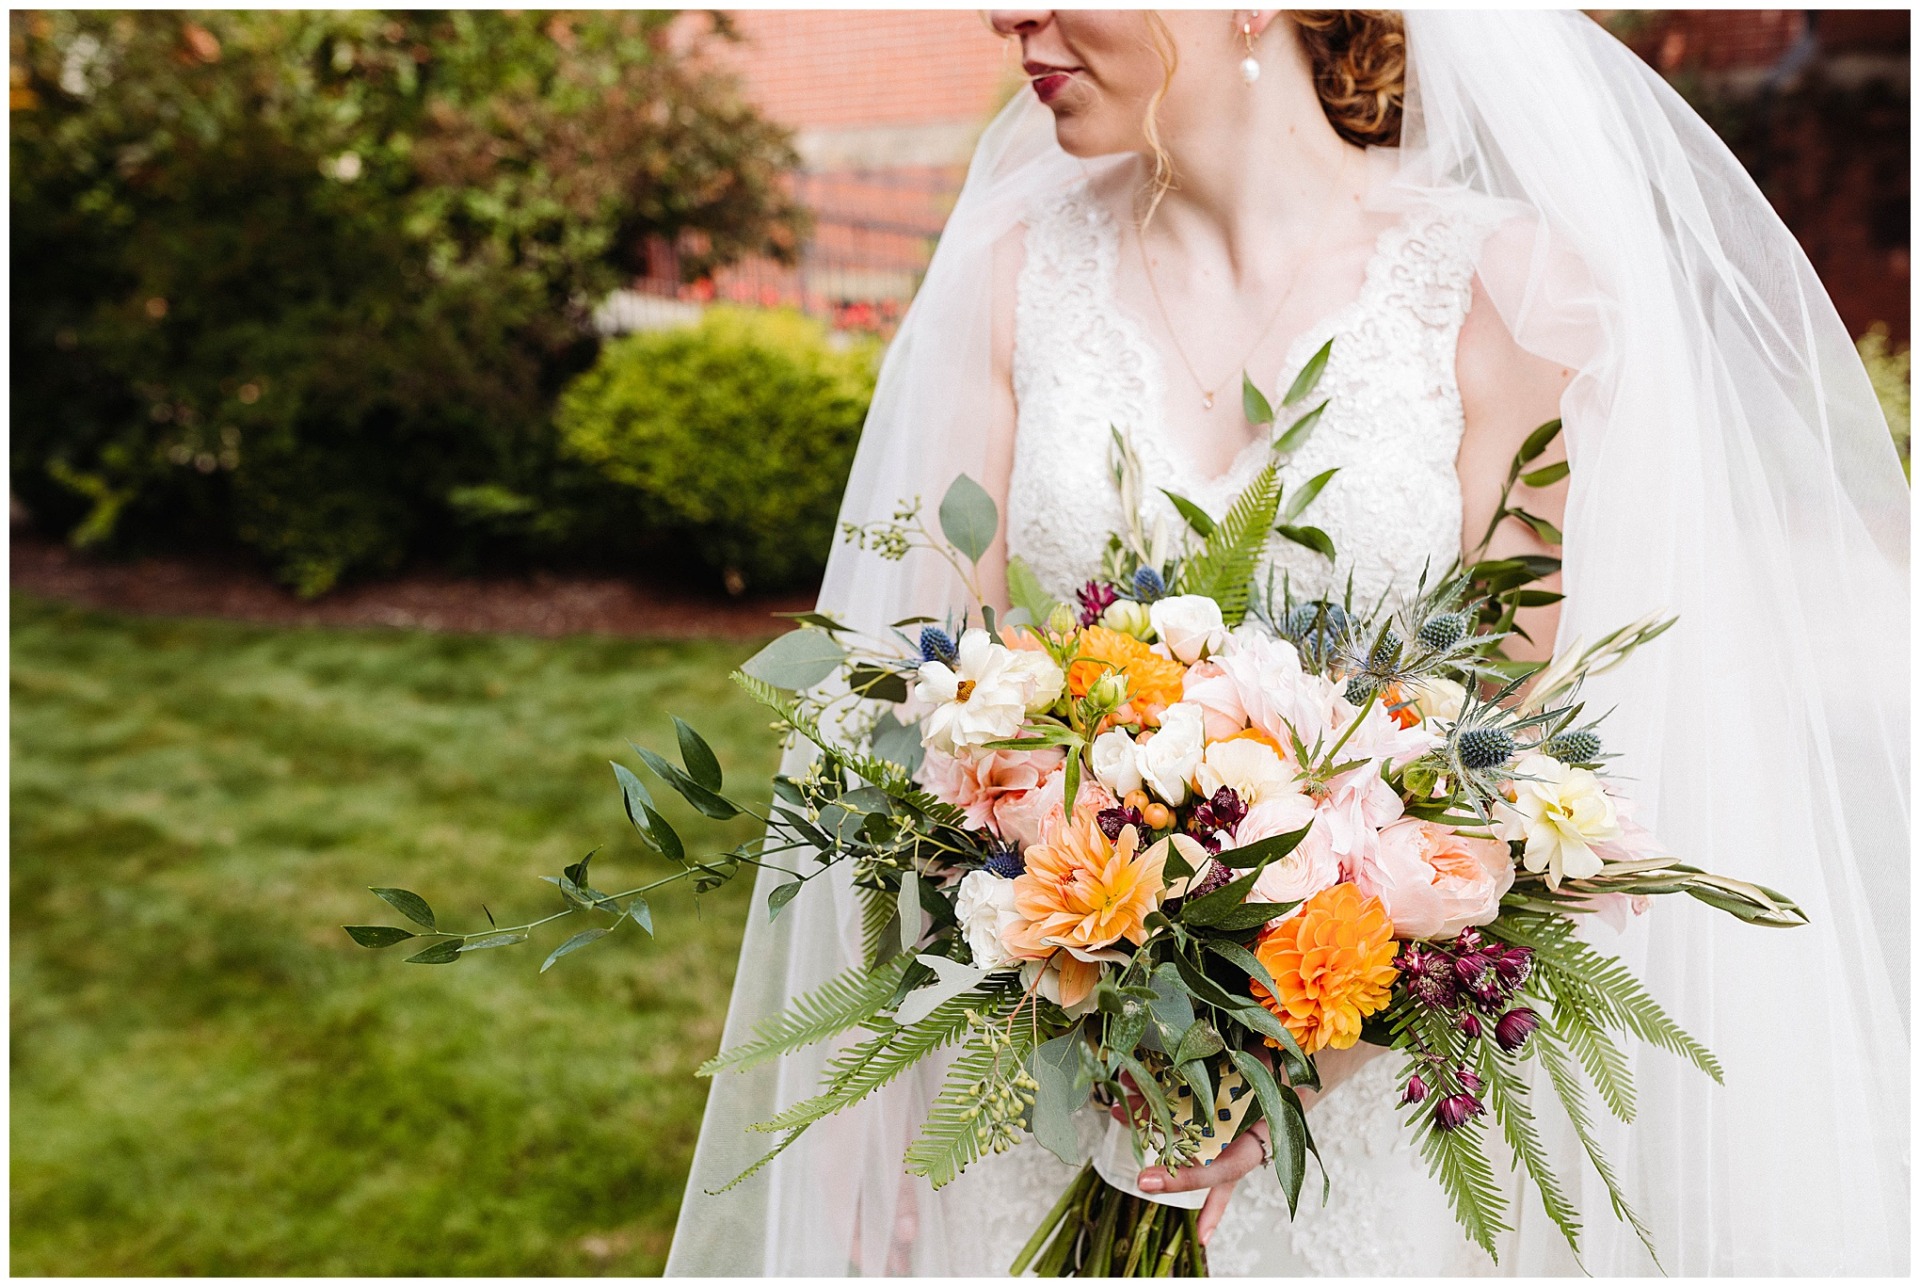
(737, 433)
(306, 280)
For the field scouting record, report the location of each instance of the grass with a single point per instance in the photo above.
(210, 1078)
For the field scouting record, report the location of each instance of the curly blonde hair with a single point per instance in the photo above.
(1359, 59)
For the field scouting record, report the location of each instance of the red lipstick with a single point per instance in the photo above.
(1049, 82)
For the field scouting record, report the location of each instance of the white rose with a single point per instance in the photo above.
(1167, 761)
(1189, 625)
(981, 698)
(984, 906)
(1437, 699)
(1045, 680)
(1116, 763)
(1128, 617)
(1251, 768)
(1560, 812)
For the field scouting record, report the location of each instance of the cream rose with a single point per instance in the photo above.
(1189, 625)
(981, 698)
(1168, 759)
(985, 910)
(1434, 881)
(1437, 698)
(1253, 769)
(1561, 813)
(1044, 679)
(1116, 762)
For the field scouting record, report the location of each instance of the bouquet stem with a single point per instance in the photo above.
(1096, 1231)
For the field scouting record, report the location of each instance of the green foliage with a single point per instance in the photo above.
(210, 1079)
(1507, 1097)
(838, 1004)
(736, 433)
(950, 1139)
(1458, 1160)
(309, 280)
(1223, 569)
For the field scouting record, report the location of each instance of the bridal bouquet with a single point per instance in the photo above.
(1162, 846)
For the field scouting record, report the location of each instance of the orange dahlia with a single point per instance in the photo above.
(1333, 965)
(1153, 682)
(1082, 892)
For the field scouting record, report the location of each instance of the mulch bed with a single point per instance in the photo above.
(539, 603)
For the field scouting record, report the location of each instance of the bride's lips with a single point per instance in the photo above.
(1048, 81)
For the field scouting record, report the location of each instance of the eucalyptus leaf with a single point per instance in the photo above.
(969, 518)
(640, 914)
(1064, 1085)
(796, 660)
(1198, 519)
(702, 765)
(574, 944)
(445, 952)
(408, 904)
(1311, 537)
(780, 896)
(1299, 431)
(897, 743)
(494, 940)
(1025, 590)
(377, 935)
(910, 913)
(1309, 376)
(1254, 404)
(818, 620)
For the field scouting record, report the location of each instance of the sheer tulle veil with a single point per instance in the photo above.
(1731, 467)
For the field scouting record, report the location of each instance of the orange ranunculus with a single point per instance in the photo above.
(1153, 682)
(1333, 964)
(1255, 735)
(1083, 893)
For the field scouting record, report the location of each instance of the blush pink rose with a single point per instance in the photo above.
(979, 781)
(1310, 868)
(1277, 697)
(1434, 881)
(1209, 687)
(1021, 816)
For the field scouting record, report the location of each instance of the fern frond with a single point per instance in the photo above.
(949, 1142)
(877, 907)
(1566, 1084)
(842, 1002)
(1507, 1097)
(1223, 569)
(861, 1069)
(1605, 1064)
(1458, 1160)
(1571, 962)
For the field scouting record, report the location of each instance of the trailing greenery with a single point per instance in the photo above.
(210, 1079)
(841, 1003)
(736, 434)
(309, 281)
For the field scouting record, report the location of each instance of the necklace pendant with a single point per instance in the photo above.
(1206, 400)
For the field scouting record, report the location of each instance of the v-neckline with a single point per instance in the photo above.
(1294, 358)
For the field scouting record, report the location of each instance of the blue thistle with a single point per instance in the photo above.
(1443, 632)
(1485, 748)
(937, 645)
(1359, 688)
(1316, 628)
(1582, 747)
(1148, 585)
(1005, 861)
(1386, 653)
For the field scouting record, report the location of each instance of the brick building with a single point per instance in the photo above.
(887, 104)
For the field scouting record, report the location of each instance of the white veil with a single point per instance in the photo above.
(1732, 467)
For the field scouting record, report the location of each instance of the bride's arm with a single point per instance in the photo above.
(1507, 393)
(1002, 418)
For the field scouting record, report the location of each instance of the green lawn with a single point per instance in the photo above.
(209, 1078)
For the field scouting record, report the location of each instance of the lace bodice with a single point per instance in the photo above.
(1392, 426)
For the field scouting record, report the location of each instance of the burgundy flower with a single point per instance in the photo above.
(1477, 974)
(1469, 1081)
(1416, 1091)
(1223, 812)
(1429, 978)
(1514, 1028)
(1095, 598)
(1455, 1111)
(1113, 821)
(1514, 964)
(1217, 875)
(1470, 1025)
(1468, 941)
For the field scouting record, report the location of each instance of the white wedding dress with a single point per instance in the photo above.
(1392, 428)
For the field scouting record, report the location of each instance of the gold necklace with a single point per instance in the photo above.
(1209, 391)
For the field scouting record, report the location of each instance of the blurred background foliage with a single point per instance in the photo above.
(306, 280)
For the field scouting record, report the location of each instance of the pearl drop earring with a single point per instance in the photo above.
(1250, 66)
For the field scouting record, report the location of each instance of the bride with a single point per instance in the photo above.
(1497, 219)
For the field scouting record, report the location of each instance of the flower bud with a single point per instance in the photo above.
(1455, 1111)
(1416, 1090)
(1514, 1028)
(1469, 1081)
(1514, 964)
(1109, 690)
(1129, 618)
(1061, 620)
(1470, 1025)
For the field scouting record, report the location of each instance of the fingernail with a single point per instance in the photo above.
(1152, 1183)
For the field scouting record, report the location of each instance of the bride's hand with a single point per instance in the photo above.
(1246, 1154)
